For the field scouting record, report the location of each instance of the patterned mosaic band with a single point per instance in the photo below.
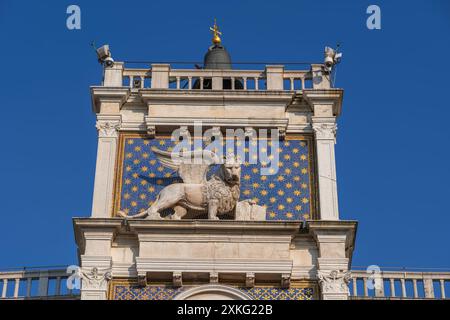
(132, 292)
(287, 194)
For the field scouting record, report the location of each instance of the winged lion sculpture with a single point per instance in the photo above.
(217, 195)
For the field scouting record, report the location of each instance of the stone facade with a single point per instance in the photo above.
(302, 251)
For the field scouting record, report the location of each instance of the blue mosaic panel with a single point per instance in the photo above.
(145, 293)
(130, 292)
(286, 194)
(268, 293)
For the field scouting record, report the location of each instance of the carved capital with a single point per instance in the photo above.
(108, 129)
(325, 130)
(335, 281)
(95, 278)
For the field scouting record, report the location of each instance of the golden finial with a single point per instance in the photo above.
(216, 33)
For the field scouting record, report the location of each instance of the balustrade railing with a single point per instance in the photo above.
(400, 284)
(36, 283)
(50, 283)
(161, 76)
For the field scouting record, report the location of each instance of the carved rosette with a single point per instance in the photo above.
(325, 130)
(334, 282)
(108, 129)
(94, 278)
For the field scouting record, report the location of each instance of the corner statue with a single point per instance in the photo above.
(217, 196)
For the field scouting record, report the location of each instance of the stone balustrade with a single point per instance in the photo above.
(50, 283)
(162, 76)
(399, 284)
(36, 283)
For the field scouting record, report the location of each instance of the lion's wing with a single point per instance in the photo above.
(190, 170)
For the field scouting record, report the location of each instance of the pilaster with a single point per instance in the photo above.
(326, 107)
(108, 133)
(335, 242)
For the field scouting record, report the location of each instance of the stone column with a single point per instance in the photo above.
(325, 134)
(108, 133)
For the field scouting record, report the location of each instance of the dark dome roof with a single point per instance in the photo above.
(217, 57)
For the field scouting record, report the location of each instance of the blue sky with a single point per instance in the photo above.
(393, 137)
